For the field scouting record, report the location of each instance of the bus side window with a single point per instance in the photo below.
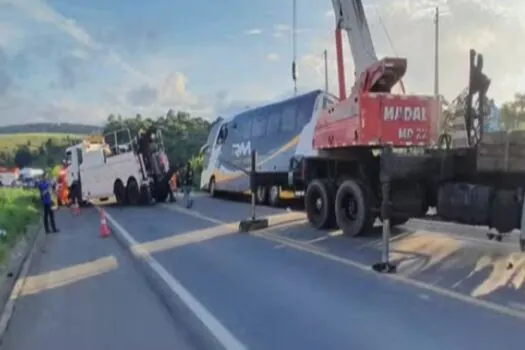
(244, 126)
(304, 113)
(274, 122)
(259, 125)
(288, 118)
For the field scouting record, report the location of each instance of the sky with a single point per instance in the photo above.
(80, 60)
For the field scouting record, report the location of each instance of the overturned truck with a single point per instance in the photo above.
(133, 169)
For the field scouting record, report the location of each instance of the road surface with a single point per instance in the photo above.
(290, 288)
(84, 292)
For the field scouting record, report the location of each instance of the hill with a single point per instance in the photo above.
(53, 128)
(10, 142)
(36, 149)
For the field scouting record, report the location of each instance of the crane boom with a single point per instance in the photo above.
(350, 16)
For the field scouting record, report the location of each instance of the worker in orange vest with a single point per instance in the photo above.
(62, 191)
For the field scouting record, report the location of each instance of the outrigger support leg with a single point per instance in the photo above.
(385, 266)
(522, 228)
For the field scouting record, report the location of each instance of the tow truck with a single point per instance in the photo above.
(373, 137)
(132, 169)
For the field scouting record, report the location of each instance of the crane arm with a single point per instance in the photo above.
(350, 16)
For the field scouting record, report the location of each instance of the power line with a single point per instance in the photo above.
(389, 39)
(294, 43)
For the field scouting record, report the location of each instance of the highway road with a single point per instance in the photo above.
(84, 292)
(291, 287)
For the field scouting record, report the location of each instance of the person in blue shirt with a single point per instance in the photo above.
(45, 187)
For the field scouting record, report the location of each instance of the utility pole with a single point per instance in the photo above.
(325, 54)
(436, 70)
(294, 42)
(436, 53)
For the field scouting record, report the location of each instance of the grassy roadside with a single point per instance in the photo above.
(18, 209)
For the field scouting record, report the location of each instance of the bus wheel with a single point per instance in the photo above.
(133, 192)
(212, 187)
(120, 192)
(319, 204)
(352, 209)
(274, 196)
(262, 195)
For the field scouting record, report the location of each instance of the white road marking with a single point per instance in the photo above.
(311, 248)
(219, 331)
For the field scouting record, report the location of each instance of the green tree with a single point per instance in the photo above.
(23, 156)
(183, 134)
(513, 112)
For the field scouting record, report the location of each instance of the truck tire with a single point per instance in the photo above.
(319, 204)
(352, 208)
(120, 192)
(274, 196)
(145, 195)
(262, 195)
(161, 195)
(133, 192)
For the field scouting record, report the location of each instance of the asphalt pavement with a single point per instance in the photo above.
(292, 288)
(84, 292)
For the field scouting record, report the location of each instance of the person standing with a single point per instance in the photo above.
(188, 183)
(45, 188)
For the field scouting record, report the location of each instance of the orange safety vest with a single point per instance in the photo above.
(173, 182)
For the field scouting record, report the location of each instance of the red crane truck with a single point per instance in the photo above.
(375, 137)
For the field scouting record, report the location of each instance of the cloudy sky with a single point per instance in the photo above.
(79, 60)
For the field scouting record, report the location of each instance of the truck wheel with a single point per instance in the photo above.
(319, 204)
(274, 198)
(132, 192)
(262, 195)
(145, 195)
(352, 209)
(161, 195)
(120, 192)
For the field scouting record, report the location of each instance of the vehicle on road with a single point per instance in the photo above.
(133, 170)
(375, 137)
(278, 132)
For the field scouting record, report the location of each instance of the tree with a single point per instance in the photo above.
(23, 157)
(513, 112)
(183, 135)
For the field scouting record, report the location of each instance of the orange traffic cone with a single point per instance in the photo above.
(104, 229)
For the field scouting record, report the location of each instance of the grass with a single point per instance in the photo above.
(9, 142)
(18, 209)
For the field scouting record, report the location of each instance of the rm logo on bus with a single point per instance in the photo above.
(242, 149)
